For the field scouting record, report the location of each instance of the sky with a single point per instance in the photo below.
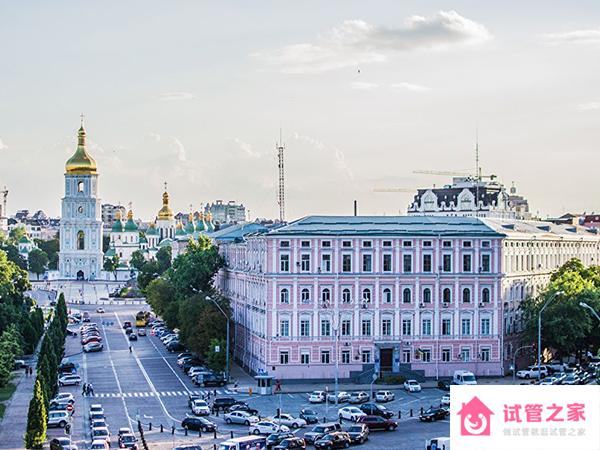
(195, 93)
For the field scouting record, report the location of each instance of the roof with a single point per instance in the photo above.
(233, 232)
(510, 227)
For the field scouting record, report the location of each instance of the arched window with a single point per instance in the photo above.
(305, 295)
(80, 186)
(406, 295)
(284, 296)
(346, 296)
(326, 295)
(387, 295)
(366, 295)
(426, 295)
(447, 295)
(80, 240)
(485, 295)
(466, 295)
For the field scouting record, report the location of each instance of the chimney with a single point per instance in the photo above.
(355, 208)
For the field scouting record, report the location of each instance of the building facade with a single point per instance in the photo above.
(226, 212)
(109, 214)
(383, 294)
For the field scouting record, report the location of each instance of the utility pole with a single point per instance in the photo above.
(281, 194)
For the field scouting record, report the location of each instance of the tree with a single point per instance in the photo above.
(111, 265)
(51, 247)
(38, 261)
(37, 418)
(17, 233)
(137, 260)
(216, 357)
(163, 258)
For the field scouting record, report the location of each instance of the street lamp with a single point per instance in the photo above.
(556, 294)
(515, 360)
(586, 306)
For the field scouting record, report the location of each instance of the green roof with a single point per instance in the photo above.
(151, 231)
(210, 227)
(110, 252)
(117, 226)
(24, 240)
(190, 228)
(131, 225)
(143, 240)
(165, 242)
(200, 225)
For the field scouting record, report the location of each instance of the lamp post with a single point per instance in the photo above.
(556, 294)
(593, 311)
(515, 360)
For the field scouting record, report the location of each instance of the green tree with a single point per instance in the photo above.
(216, 355)
(111, 265)
(37, 418)
(51, 247)
(38, 262)
(163, 259)
(17, 233)
(137, 260)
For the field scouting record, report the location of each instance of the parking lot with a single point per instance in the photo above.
(146, 384)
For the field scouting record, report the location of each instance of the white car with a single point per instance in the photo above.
(317, 397)
(63, 397)
(240, 417)
(289, 420)
(267, 427)
(532, 372)
(200, 408)
(359, 397)
(100, 310)
(58, 418)
(96, 407)
(445, 401)
(412, 386)
(64, 443)
(350, 413)
(99, 444)
(342, 397)
(384, 396)
(101, 433)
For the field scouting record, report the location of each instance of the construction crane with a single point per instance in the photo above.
(455, 174)
(394, 190)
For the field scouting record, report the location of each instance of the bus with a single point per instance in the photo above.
(141, 318)
(245, 443)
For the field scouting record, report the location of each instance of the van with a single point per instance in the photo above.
(441, 443)
(464, 377)
(58, 419)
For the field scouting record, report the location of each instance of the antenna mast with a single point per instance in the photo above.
(477, 170)
(281, 194)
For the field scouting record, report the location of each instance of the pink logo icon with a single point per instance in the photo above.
(475, 418)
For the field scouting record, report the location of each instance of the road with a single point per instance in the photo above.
(147, 385)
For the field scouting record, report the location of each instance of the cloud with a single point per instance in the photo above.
(356, 41)
(245, 147)
(588, 106)
(176, 96)
(364, 86)
(3, 146)
(178, 148)
(574, 37)
(340, 158)
(155, 136)
(409, 87)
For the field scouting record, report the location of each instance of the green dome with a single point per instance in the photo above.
(143, 240)
(24, 240)
(152, 231)
(210, 227)
(131, 225)
(110, 252)
(117, 226)
(165, 242)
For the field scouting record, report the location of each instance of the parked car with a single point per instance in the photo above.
(62, 443)
(200, 408)
(570, 379)
(433, 414)
(245, 408)
(549, 380)
(532, 372)
(309, 415)
(275, 438)
(265, 427)
(359, 433)
(69, 380)
(141, 332)
(444, 385)
(384, 396)
(58, 418)
(100, 310)
(412, 386)
(209, 379)
(338, 439)
(224, 403)
(174, 346)
(350, 413)
(445, 400)
(359, 397)
(241, 417)
(292, 443)
(59, 407)
(378, 423)
(319, 431)
(289, 420)
(93, 347)
(342, 397)
(67, 367)
(373, 409)
(316, 397)
(198, 423)
(63, 397)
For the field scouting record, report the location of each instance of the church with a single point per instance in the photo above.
(81, 228)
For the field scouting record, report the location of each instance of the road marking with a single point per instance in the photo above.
(135, 394)
(169, 365)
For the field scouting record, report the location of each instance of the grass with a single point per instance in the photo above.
(6, 392)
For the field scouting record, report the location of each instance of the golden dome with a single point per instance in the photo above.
(81, 163)
(165, 213)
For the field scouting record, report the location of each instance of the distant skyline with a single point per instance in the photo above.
(194, 94)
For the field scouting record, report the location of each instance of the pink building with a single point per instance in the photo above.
(354, 295)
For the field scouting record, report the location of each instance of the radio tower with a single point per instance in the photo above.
(281, 195)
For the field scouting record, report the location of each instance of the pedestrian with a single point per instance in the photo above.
(91, 389)
(215, 393)
(130, 349)
(84, 389)
(30, 370)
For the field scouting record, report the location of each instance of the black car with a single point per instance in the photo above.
(67, 368)
(444, 385)
(188, 447)
(133, 337)
(224, 403)
(358, 433)
(128, 330)
(243, 407)
(293, 443)
(336, 440)
(174, 346)
(373, 409)
(433, 414)
(198, 423)
(213, 380)
(309, 415)
(275, 438)
(190, 363)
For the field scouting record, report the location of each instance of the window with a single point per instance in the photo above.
(366, 295)
(465, 327)
(366, 327)
(447, 295)
(485, 326)
(406, 356)
(80, 186)
(426, 263)
(304, 327)
(387, 295)
(466, 263)
(326, 295)
(346, 263)
(346, 327)
(305, 295)
(406, 243)
(407, 263)
(305, 263)
(284, 263)
(446, 327)
(284, 244)
(284, 295)
(467, 244)
(466, 295)
(447, 262)
(325, 356)
(305, 358)
(80, 240)
(345, 356)
(366, 356)
(386, 327)
(406, 295)
(284, 357)
(426, 355)
(346, 296)
(485, 354)
(485, 295)
(387, 243)
(367, 263)
(426, 327)
(326, 244)
(465, 354)
(426, 295)
(387, 262)
(305, 244)
(367, 244)
(326, 263)
(426, 243)
(406, 327)
(445, 355)
(447, 244)
(347, 244)
(485, 263)
(284, 328)
(325, 327)
(485, 244)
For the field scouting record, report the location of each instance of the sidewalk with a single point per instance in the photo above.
(12, 427)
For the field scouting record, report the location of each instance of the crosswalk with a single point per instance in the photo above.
(161, 393)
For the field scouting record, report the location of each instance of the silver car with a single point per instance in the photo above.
(240, 417)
